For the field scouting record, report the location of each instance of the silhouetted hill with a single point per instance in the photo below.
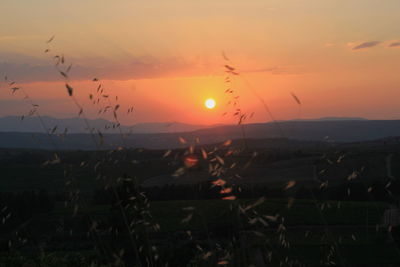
(326, 131)
(333, 119)
(333, 130)
(78, 125)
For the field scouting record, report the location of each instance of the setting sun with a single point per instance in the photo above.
(210, 103)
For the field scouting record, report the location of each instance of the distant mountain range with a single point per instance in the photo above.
(78, 125)
(330, 130)
(333, 119)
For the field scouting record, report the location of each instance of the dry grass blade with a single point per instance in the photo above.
(219, 182)
(255, 204)
(296, 98)
(226, 190)
(167, 153)
(69, 89)
(224, 56)
(227, 143)
(179, 172)
(188, 218)
(64, 74)
(182, 140)
(51, 39)
(69, 68)
(204, 153)
(229, 68)
(220, 160)
(207, 255)
(290, 184)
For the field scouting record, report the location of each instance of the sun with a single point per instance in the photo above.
(210, 103)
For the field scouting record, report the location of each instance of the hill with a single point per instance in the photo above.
(78, 125)
(326, 131)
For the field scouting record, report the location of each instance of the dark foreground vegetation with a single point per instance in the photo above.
(230, 204)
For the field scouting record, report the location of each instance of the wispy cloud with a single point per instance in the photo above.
(277, 70)
(395, 44)
(28, 69)
(24, 68)
(366, 45)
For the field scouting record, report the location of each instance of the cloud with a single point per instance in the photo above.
(23, 68)
(366, 45)
(276, 70)
(395, 44)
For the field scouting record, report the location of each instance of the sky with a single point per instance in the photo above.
(165, 58)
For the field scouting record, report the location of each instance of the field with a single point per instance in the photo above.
(351, 227)
(57, 210)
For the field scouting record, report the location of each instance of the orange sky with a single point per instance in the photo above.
(341, 58)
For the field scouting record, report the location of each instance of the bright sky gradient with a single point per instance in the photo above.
(164, 58)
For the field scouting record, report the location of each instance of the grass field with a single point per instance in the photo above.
(350, 227)
(198, 228)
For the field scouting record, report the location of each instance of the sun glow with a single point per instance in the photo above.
(210, 103)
